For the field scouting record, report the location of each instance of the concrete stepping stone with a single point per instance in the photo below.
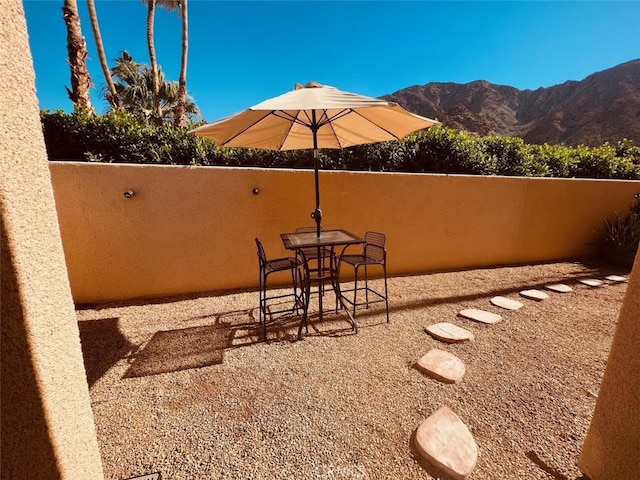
(480, 316)
(559, 287)
(442, 366)
(592, 282)
(446, 442)
(534, 295)
(449, 333)
(616, 278)
(507, 303)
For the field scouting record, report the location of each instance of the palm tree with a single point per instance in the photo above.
(151, 12)
(182, 81)
(111, 94)
(77, 49)
(134, 86)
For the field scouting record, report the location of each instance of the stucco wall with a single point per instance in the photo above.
(192, 229)
(612, 447)
(47, 423)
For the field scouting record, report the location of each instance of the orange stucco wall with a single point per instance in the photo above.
(192, 229)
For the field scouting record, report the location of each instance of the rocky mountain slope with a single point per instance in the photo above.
(604, 107)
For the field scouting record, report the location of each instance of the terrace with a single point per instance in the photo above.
(179, 383)
(336, 405)
(186, 387)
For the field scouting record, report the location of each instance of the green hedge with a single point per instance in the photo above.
(119, 138)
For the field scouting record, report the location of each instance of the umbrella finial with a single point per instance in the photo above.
(308, 85)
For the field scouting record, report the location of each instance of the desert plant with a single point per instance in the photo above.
(622, 234)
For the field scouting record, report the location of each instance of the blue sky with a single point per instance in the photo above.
(242, 52)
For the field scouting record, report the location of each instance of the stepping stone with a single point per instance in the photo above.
(446, 442)
(480, 315)
(507, 303)
(592, 282)
(616, 278)
(442, 366)
(534, 295)
(560, 288)
(449, 333)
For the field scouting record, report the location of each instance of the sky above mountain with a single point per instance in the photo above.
(243, 52)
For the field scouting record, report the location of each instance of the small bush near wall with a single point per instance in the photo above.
(119, 138)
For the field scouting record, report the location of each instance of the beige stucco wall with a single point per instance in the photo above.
(192, 229)
(612, 447)
(47, 422)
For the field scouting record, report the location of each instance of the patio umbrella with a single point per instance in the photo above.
(313, 117)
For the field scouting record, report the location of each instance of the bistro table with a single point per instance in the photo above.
(325, 246)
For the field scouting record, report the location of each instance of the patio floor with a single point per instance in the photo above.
(185, 386)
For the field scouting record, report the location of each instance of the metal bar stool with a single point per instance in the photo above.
(318, 255)
(269, 266)
(373, 253)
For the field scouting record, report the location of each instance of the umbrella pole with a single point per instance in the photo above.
(317, 213)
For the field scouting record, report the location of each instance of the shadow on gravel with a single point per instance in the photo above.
(193, 347)
(103, 345)
(513, 290)
(533, 456)
(181, 349)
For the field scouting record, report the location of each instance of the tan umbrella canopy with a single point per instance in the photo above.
(312, 117)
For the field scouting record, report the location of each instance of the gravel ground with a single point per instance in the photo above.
(340, 405)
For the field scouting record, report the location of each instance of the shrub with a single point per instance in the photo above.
(121, 138)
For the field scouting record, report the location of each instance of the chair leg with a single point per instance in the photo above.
(335, 280)
(264, 330)
(305, 308)
(295, 289)
(386, 292)
(337, 264)
(260, 302)
(355, 289)
(366, 287)
(263, 305)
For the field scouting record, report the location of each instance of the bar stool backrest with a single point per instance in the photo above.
(262, 256)
(374, 246)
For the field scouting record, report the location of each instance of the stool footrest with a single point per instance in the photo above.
(381, 297)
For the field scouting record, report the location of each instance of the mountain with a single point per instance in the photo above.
(604, 107)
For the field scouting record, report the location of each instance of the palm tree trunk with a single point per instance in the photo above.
(77, 49)
(151, 12)
(111, 95)
(180, 120)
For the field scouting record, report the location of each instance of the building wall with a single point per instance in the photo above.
(47, 422)
(612, 447)
(192, 229)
